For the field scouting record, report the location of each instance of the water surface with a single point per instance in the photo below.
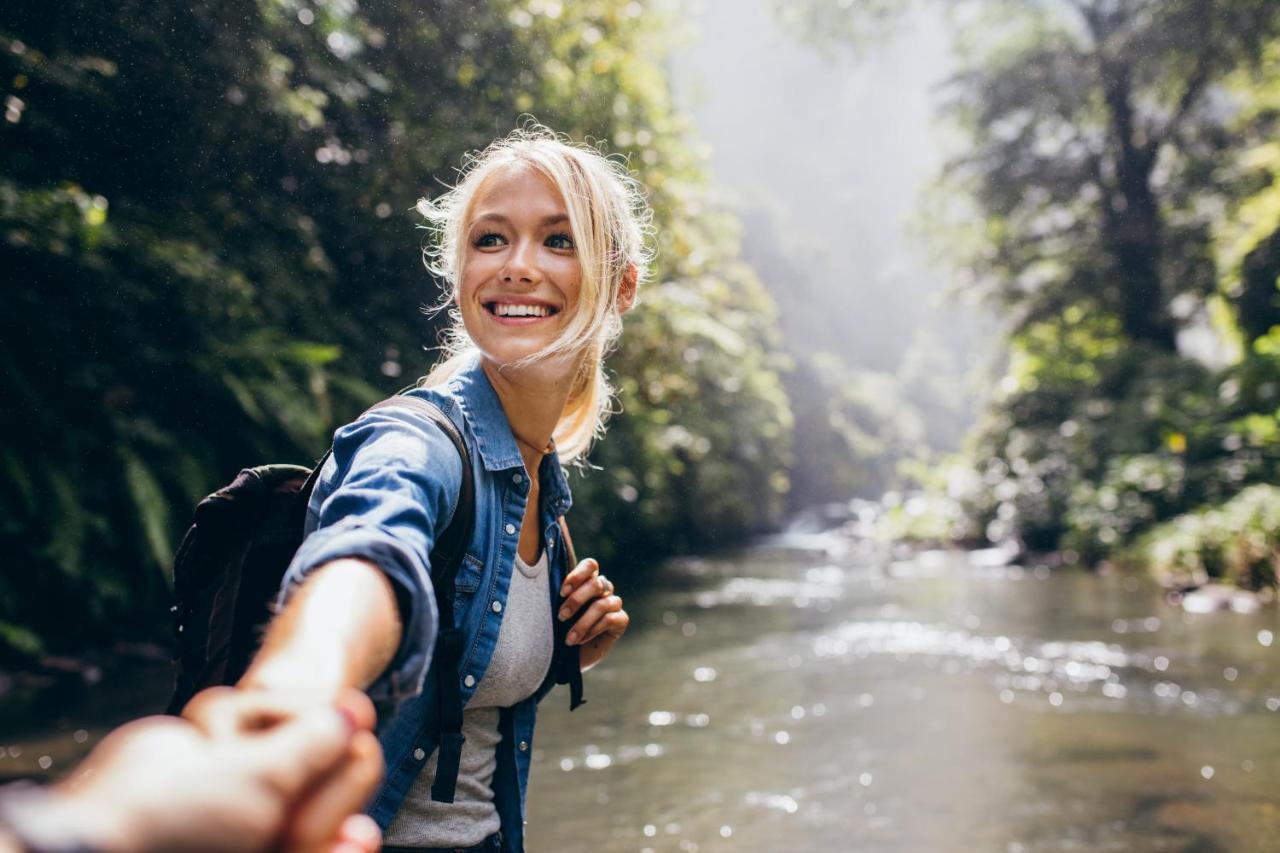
(829, 698)
(817, 694)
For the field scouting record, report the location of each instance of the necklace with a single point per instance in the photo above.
(543, 451)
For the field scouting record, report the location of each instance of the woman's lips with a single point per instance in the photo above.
(507, 318)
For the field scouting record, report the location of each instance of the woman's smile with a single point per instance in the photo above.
(520, 312)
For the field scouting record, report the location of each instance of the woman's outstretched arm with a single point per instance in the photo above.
(340, 630)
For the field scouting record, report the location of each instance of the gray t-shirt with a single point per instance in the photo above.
(520, 662)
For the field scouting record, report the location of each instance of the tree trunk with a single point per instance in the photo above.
(1134, 231)
(1258, 303)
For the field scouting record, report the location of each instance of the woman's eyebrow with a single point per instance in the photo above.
(553, 219)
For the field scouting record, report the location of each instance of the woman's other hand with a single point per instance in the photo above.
(602, 621)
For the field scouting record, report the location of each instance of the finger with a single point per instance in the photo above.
(358, 709)
(217, 711)
(587, 621)
(595, 587)
(358, 834)
(293, 756)
(322, 816)
(585, 569)
(614, 624)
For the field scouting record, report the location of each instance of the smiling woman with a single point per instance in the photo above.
(542, 245)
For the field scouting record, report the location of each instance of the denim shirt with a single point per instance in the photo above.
(389, 489)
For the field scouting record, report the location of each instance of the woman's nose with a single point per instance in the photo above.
(522, 266)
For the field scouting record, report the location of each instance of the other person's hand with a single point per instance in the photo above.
(161, 784)
(602, 622)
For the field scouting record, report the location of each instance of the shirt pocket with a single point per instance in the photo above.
(465, 584)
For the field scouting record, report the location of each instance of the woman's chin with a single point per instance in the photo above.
(529, 363)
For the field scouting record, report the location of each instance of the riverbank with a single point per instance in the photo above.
(1223, 557)
(52, 714)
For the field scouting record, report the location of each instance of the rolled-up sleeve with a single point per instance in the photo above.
(389, 488)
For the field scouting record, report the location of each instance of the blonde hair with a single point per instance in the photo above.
(609, 221)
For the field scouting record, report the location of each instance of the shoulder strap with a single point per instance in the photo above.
(568, 659)
(568, 543)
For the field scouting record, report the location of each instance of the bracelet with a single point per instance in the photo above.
(29, 814)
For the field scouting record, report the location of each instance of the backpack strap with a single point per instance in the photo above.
(446, 558)
(568, 666)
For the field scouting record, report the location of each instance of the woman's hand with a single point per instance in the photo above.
(602, 622)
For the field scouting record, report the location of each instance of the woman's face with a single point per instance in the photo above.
(520, 277)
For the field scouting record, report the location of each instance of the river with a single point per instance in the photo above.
(815, 694)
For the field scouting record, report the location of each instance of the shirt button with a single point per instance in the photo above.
(517, 478)
(470, 681)
(524, 746)
(419, 754)
(510, 528)
(497, 607)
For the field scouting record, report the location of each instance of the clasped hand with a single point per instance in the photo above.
(602, 621)
(293, 782)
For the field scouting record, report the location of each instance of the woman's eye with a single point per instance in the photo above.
(560, 241)
(488, 240)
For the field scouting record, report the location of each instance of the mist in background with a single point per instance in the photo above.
(824, 157)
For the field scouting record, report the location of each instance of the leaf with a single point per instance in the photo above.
(19, 639)
(152, 510)
(312, 354)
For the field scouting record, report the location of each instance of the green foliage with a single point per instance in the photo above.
(1238, 541)
(1089, 467)
(1133, 492)
(932, 516)
(835, 27)
(208, 208)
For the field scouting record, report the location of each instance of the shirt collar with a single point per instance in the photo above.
(488, 421)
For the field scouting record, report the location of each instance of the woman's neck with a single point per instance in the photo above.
(533, 404)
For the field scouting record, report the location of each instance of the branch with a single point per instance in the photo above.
(1195, 87)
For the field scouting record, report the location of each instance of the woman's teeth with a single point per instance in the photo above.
(503, 310)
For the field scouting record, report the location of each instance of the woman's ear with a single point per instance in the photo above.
(627, 289)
